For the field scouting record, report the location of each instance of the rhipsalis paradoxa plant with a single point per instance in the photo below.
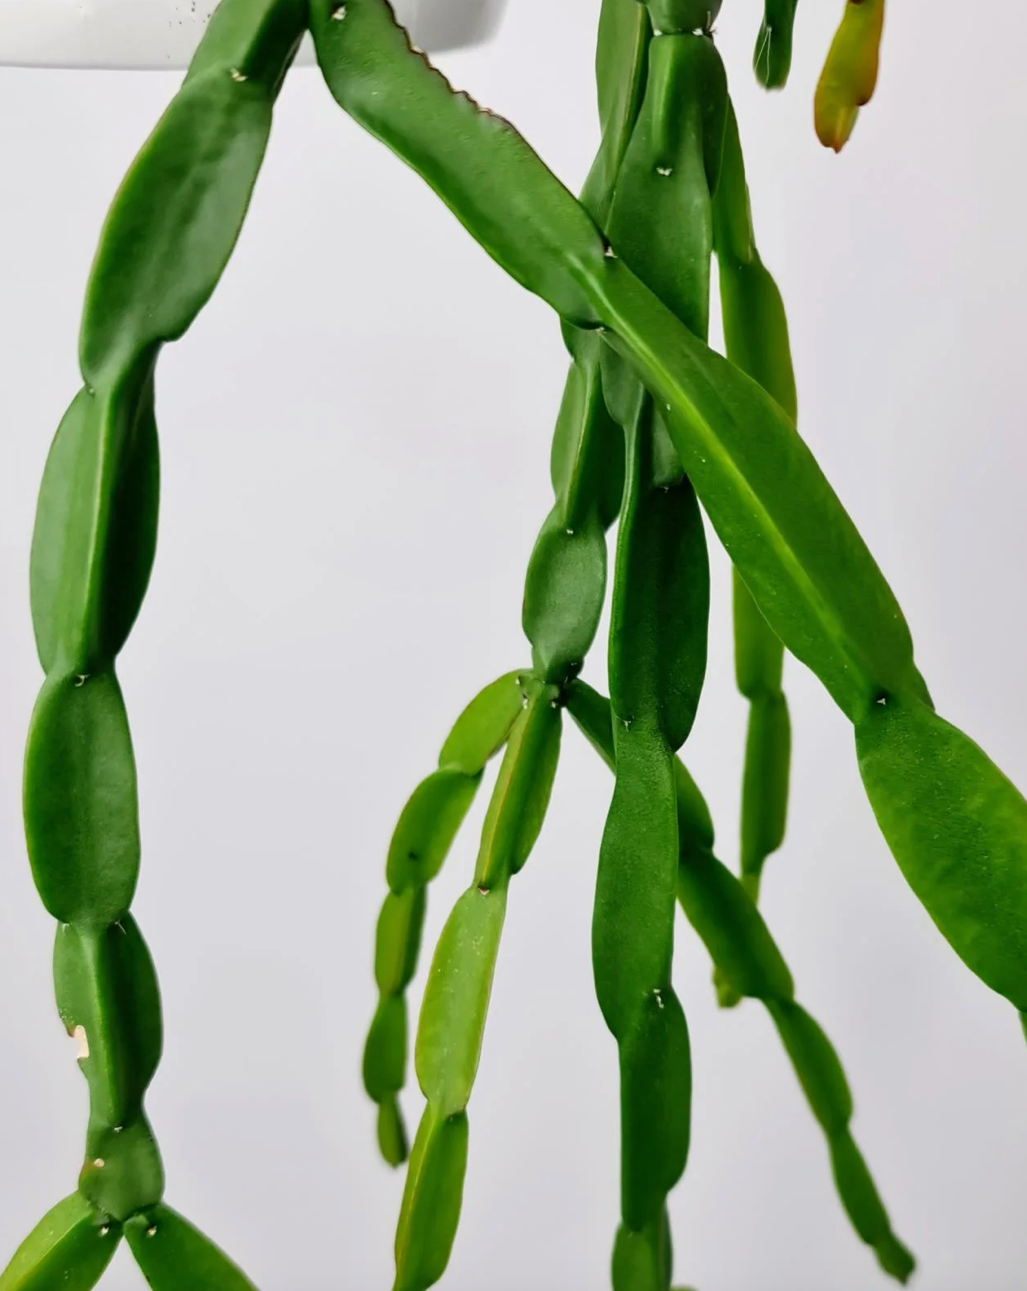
(654, 427)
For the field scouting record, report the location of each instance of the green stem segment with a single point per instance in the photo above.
(456, 999)
(772, 57)
(798, 551)
(565, 583)
(566, 580)
(164, 245)
(660, 219)
(756, 338)
(747, 959)
(420, 844)
(657, 661)
(779, 519)
(634, 308)
(70, 1247)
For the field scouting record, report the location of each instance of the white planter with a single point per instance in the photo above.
(164, 33)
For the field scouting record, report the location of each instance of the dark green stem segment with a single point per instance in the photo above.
(758, 666)
(756, 340)
(744, 953)
(661, 222)
(772, 57)
(164, 245)
(565, 584)
(798, 551)
(420, 844)
(657, 660)
(622, 49)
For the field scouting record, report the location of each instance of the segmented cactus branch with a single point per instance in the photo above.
(652, 424)
(747, 961)
(756, 339)
(420, 843)
(456, 998)
(797, 549)
(166, 241)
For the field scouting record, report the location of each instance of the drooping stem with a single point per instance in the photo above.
(456, 998)
(747, 960)
(420, 844)
(165, 243)
(756, 338)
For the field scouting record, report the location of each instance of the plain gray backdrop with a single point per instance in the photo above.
(355, 438)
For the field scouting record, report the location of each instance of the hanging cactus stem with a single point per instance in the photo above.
(653, 425)
(849, 78)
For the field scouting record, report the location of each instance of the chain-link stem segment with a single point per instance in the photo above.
(455, 1007)
(756, 340)
(744, 954)
(660, 222)
(420, 844)
(165, 242)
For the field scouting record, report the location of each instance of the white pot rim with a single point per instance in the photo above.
(155, 34)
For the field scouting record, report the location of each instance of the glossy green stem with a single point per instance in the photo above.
(420, 844)
(745, 955)
(68, 1250)
(798, 551)
(661, 220)
(164, 245)
(772, 57)
(804, 561)
(756, 340)
(173, 1255)
(565, 584)
(455, 1007)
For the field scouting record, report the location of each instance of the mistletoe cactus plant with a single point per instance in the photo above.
(653, 425)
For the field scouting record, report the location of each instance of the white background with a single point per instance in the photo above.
(355, 439)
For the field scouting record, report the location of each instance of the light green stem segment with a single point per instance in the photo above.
(742, 949)
(756, 337)
(420, 843)
(175, 1256)
(958, 829)
(644, 1259)
(68, 1250)
(798, 551)
(456, 998)
(164, 245)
